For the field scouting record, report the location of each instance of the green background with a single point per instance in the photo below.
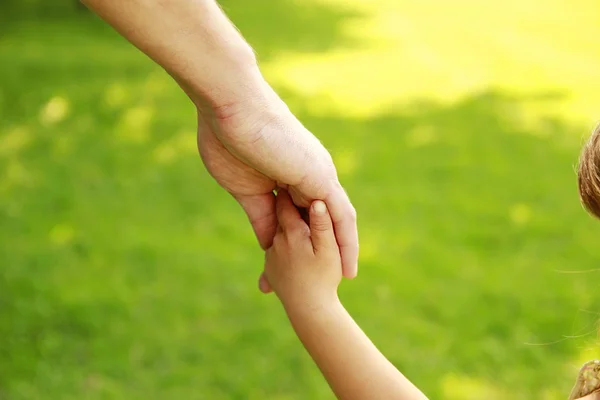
(126, 272)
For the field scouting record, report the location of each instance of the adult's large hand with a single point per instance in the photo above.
(256, 145)
(248, 139)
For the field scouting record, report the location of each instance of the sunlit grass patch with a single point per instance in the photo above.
(446, 50)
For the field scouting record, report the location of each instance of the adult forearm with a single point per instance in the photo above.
(192, 39)
(352, 365)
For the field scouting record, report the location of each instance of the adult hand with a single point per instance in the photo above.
(248, 139)
(255, 145)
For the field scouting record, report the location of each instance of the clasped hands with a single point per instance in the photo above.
(255, 145)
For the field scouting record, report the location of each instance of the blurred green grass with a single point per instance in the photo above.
(126, 272)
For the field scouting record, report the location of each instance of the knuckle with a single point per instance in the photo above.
(299, 231)
(291, 228)
(323, 187)
(305, 231)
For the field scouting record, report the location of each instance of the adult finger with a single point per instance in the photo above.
(260, 210)
(263, 218)
(321, 227)
(343, 216)
(287, 214)
(298, 198)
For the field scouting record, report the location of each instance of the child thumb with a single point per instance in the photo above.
(321, 226)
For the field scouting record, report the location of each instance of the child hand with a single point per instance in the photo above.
(303, 265)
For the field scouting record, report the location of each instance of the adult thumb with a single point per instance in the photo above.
(321, 227)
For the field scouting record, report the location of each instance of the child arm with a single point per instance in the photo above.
(304, 268)
(352, 365)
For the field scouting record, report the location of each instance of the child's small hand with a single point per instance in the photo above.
(304, 269)
(303, 265)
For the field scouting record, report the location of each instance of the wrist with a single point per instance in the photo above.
(233, 77)
(301, 305)
(310, 319)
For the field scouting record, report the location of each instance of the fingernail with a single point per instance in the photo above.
(319, 207)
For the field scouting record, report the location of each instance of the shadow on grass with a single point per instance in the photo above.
(290, 25)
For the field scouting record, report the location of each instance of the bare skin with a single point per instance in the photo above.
(304, 267)
(248, 139)
(587, 385)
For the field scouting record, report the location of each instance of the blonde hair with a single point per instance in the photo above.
(588, 174)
